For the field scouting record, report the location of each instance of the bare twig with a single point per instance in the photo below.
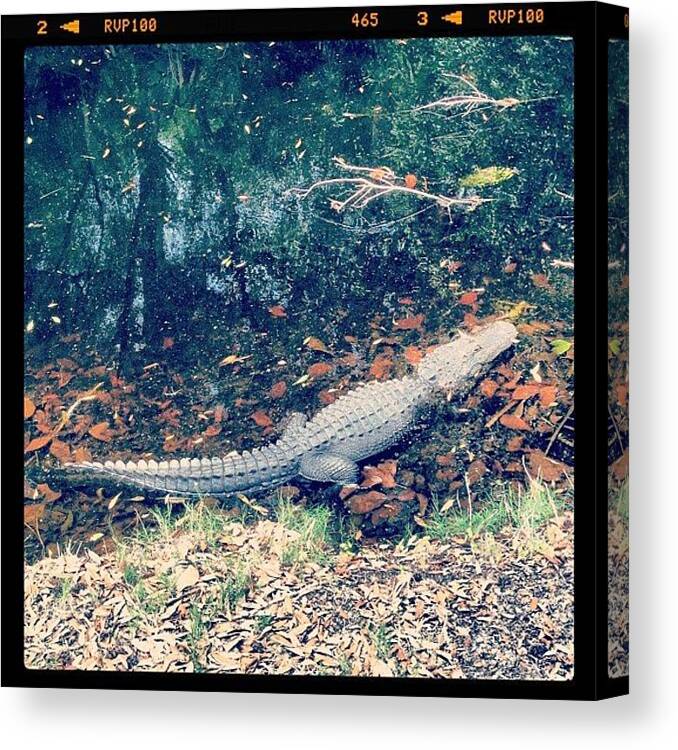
(371, 183)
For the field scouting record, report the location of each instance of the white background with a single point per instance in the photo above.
(55, 719)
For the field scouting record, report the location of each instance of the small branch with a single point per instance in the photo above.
(372, 183)
(470, 101)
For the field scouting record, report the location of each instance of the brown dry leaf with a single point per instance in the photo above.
(29, 407)
(411, 323)
(546, 468)
(366, 502)
(622, 393)
(515, 443)
(548, 395)
(475, 471)
(60, 450)
(33, 514)
(523, 392)
(488, 387)
(514, 422)
(540, 280)
(219, 412)
(278, 390)
(316, 345)
(37, 443)
(468, 298)
(413, 355)
(327, 397)
(212, 431)
(81, 454)
(319, 369)
(278, 311)
(381, 367)
(189, 576)
(262, 419)
(48, 493)
(101, 431)
(167, 342)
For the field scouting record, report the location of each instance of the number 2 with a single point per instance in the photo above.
(42, 28)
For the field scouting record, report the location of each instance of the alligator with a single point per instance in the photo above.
(363, 422)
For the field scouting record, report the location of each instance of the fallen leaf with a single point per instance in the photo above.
(546, 468)
(513, 422)
(37, 443)
(48, 493)
(560, 346)
(319, 369)
(29, 408)
(262, 419)
(540, 280)
(523, 392)
(33, 514)
(366, 502)
(101, 431)
(413, 355)
(488, 387)
(189, 576)
(278, 390)
(60, 450)
(212, 431)
(468, 298)
(414, 322)
(381, 367)
(278, 311)
(548, 395)
(316, 345)
(476, 470)
(620, 468)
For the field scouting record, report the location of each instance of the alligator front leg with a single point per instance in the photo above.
(329, 467)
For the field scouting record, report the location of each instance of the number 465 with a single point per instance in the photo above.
(365, 20)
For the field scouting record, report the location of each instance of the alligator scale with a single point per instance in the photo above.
(326, 448)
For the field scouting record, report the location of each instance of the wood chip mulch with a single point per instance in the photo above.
(500, 608)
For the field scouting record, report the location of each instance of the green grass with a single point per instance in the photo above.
(526, 509)
(314, 528)
(619, 500)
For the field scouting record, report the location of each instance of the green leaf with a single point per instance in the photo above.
(614, 346)
(560, 346)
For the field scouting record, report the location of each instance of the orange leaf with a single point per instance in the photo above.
(262, 419)
(410, 181)
(48, 493)
(60, 450)
(514, 444)
(620, 468)
(622, 391)
(547, 395)
(167, 342)
(319, 369)
(278, 390)
(381, 367)
(540, 280)
(414, 322)
(316, 344)
(468, 298)
(513, 422)
(29, 408)
(81, 454)
(488, 387)
(219, 412)
(413, 355)
(37, 443)
(546, 468)
(278, 311)
(212, 431)
(327, 397)
(101, 431)
(523, 392)
(33, 514)
(366, 502)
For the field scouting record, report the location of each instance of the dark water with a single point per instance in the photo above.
(165, 228)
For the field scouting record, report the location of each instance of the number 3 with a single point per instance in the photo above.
(422, 18)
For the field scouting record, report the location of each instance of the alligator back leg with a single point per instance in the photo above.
(329, 467)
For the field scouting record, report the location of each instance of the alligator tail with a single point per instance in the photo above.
(257, 470)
